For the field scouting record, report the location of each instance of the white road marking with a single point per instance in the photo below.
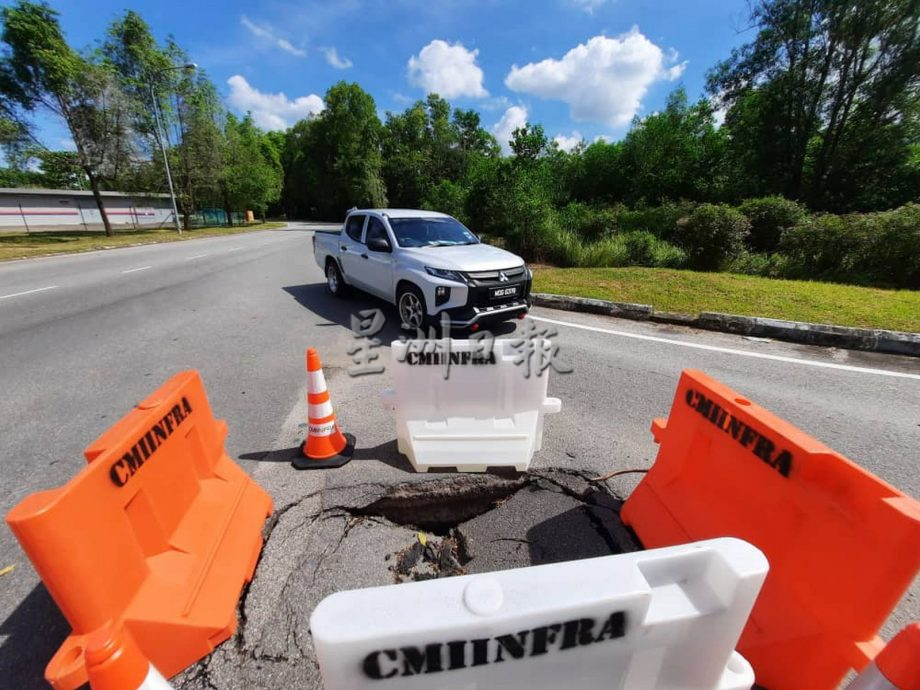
(234, 249)
(139, 268)
(28, 292)
(730, 351)
(197, 256)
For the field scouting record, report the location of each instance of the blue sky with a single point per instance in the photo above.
(582, 68)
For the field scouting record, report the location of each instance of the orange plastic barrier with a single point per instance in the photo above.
(843, 545)
(159, 533)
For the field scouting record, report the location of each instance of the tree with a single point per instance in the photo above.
(131, 50)
(198, 159)
(529, 142)
(335, 158)
(84, 94)
(596, 173)
(191, 115)
(674, 154)
(824, 85)
(252, 175)
(424, 146)
(407, 156)
(61, 169)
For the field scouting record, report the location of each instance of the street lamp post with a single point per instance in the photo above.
(161, 136)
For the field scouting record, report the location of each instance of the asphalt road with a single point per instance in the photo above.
(85, 337)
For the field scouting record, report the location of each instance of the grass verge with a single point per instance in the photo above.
(19, 245)
(690, 292)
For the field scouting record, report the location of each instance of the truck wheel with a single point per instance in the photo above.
(410, 303)
(334, 281)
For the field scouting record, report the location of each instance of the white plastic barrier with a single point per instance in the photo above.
(666, 619)
(458, 406)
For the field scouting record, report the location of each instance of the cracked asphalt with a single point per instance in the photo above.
(326, 541)
(76, 358)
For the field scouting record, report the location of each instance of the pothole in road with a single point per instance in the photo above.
(373, 535)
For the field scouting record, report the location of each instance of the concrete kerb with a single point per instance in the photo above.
(876, 340)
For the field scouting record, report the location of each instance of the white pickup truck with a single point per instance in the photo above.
(425, 263)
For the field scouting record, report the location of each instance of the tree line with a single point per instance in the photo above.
(123, 103)
(801, 159)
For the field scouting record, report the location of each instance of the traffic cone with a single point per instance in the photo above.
(326, 446)
(896, 667)
(115, 662)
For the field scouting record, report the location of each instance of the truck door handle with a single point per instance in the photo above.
(343, 248)
(364, 256)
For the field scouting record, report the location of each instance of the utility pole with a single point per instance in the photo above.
(161, 135)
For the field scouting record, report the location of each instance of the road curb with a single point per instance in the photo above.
(870, 339)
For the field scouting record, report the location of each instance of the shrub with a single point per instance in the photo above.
(772, 265)
(666, 255)
(631, 249)
(661, 221)
(881, 248)
(824, 245)
(712, 234)
(605, 253)
(561, 248)
(587, 222)
(769, 216)
(894, 256)
(640, 248)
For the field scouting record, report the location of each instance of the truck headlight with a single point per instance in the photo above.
(445, 274)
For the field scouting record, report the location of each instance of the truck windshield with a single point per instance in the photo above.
(431, 232)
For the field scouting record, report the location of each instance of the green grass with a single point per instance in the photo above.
(690, 292)
(19, 245)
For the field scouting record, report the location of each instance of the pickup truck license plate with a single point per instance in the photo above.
(502, 292)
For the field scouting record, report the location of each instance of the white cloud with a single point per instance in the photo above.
(266, 33)
(603, 80)
(514, 118)
(568, 143)
(495, 103)
(448, 70)
(271, 110)
(719, 109)
(588, 5)
(334, 59)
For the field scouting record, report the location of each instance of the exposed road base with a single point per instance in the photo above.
(368, 535)
(872, 339)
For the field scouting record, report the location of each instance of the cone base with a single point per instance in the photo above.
(302, 462)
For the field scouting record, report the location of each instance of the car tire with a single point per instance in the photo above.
(334, 282)
(410, 305)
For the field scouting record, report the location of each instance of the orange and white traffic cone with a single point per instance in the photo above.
(326, 446)
(114, 661)
(896, 667)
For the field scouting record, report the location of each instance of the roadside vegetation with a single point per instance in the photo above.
(691, 292)
(108, 98)
(801, 161)
(15, 245)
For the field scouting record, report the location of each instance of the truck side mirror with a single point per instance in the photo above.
(379, 244)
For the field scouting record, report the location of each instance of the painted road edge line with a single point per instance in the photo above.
(827, 335)
(197, 256)
(731, 351)
(28, 292)
(135, 270)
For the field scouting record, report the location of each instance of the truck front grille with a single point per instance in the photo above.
(488, 277)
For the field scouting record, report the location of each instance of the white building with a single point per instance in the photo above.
(35, 210)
